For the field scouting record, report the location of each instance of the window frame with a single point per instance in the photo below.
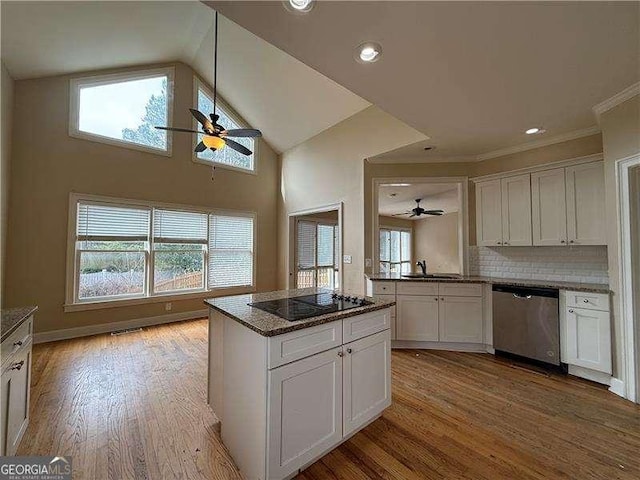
(396, 229)
(74, 303)
(75, 84)
(235, 116)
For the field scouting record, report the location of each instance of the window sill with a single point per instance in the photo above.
(118, 303)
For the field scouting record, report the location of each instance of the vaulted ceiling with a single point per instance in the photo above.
(287, 100)
(472, 76)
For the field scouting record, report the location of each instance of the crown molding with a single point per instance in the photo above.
(616, 100)
(417, 160)
(565, 137)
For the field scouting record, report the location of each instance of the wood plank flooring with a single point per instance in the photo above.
(134, 407)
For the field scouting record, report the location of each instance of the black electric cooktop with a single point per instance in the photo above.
(306, 306)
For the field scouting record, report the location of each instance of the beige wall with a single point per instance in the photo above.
(328, 169)
(395, 222)
(538, 156)
(6, 84)
(49, 164)
(435, 240)
(621, 139)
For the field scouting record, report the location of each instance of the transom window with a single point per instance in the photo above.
(123, 109)
(395, 251)
(226, 156)
(125, 250)
(317, 254)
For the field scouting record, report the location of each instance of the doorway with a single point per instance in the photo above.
(315, 246)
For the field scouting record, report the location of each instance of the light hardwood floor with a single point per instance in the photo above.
(134, 406)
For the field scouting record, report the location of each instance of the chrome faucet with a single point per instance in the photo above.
(423, 267)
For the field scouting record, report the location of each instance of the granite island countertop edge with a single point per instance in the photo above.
(12, 318)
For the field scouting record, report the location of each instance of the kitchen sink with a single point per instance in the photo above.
(429, 275)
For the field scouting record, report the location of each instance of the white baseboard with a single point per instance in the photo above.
(453, 346)
(64, 334)
(594, 376)
(617, 387)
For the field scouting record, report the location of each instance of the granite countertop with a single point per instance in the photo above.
(12, 318)
(269, 325)
(514, 282)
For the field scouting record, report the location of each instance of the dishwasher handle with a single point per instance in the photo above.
(522, 297)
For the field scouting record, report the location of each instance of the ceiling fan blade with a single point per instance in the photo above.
(412, 215)
(242, 132)
(434, 211)
(177, 129)
(201, 147)
(400, 214)
(436, 214)
(237, 147)
(204, 121)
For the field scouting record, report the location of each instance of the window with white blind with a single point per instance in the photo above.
(317, 254)
(125, 249)
(226, 157)
(395, 251)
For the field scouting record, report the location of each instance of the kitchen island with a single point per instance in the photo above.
(287, 391)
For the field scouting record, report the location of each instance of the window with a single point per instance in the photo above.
(395, 251)
(128, 250)
(226, 156)
(317, 255)
(123, 109)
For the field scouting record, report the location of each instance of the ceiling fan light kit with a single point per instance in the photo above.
(215, 136)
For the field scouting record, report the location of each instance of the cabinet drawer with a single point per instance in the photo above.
(361, 326)
(384, 288)
(17, 339)
(589, 301)
(293, 346)
(387, 298)
(418, 288)
(460, 289)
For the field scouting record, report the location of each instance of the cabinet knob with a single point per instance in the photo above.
(341, 353)
(506, 243)
(499, 243)
(570, 311)
(349, 350)
(442, 299)
(571, 241)
(436, 299)
(563, 241)
(18, 365)
(585, 300)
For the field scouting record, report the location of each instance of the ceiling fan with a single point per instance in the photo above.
(215, 135)
(418, 211)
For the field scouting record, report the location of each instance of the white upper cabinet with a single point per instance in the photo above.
(549, 212)
(585, 204)
(489, 213)
(516, 210)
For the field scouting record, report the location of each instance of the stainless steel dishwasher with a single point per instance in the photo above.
(525, 322)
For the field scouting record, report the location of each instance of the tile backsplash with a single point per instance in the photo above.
(584, 264)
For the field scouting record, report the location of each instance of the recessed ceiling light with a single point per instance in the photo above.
(368, 52)
(534, 130)
(302, 6)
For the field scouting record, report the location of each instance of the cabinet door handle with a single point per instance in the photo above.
(349, 350)
(341, 353)
(18, 365)
(570, 311)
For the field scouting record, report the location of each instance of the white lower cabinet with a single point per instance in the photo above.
(460, 319)
(588, 339)
(366, 380)
(417, 318)
(305, 413)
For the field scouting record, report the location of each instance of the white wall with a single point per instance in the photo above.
(435, 239)
(6, 84)
(328, 169)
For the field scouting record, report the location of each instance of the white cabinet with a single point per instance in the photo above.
(516, 210)
(489, 213)
(586, 204)
(305, 418)
(367, 380)
(390, 298)
(417, 318)
(16, 378)
(460, 319)
(588, 339)
(549, 211)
